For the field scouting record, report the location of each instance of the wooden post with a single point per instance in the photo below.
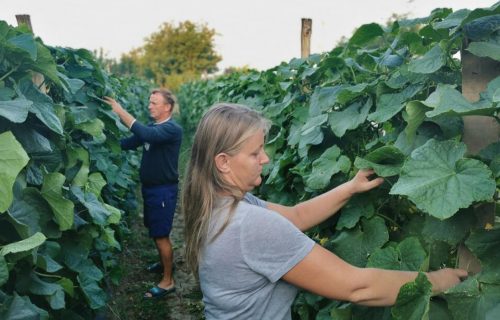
(24, 19)
(305, 38)
(37, 78)
(479, 132)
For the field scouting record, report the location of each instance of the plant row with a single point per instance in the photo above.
(64, 183)
(389, 98)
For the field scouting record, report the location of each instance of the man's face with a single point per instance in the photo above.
(159, 109)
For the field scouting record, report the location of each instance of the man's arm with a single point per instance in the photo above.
(125, 117)
(130, 143)
(157, 133)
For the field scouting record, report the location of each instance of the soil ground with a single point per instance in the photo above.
(138, 251)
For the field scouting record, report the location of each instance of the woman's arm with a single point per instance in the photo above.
(309, 213)
(325, 274)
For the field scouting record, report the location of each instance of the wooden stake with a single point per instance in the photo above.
(479, 132)
(305, 38)
(37, 78)
(24, 19)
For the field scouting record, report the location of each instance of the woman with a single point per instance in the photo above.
(251, 255)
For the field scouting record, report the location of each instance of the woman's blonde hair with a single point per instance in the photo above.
(223, 129)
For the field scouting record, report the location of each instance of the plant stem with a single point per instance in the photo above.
(8, 73)
(48, 275)
(389, 219)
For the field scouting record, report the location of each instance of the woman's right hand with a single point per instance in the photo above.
(446, 278)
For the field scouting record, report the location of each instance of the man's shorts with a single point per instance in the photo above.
(159, 209)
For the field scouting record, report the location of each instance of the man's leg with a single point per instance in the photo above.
(166, 253)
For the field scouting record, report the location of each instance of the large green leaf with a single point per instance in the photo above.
(42, 107)
(53, 291)
(46, 255)
(78, 158)
(24, 245)
(26, 216)
(358, 206)
(440, 181)
(45, 64)
(323, 99)
(415, 115)
(349, 118)
(452, 230)
(15, 110)
(452, 20)
(21, 308)
(93, 127)
(431, 62)
(413, 300)
(32, 141)
(61, 207)
(471, 299)
(485, 245)
(96, 209)
(483, 25)
(388, 105)
(408, 255)
(356, 245)
(386, 161)
(448, 100)
(311, 131)
(485, 49)
(94, 294)
(25, 42)
(12, 159)
(328, 164)
(46, 223)
(95, 183)
(366, 33)
(115, 214)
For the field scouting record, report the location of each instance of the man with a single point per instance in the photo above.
(159, 176)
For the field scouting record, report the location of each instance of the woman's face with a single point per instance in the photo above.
(245, 167)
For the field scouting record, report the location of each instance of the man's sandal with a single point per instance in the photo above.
(157, 292)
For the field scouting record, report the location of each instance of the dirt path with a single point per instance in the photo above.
(138, 251)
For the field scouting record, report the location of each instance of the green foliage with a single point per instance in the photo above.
(173, 55)
(389, 99)
(64, 182)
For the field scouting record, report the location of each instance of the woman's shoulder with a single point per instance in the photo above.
(251, 199)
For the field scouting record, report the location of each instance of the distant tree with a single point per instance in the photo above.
(243, 69)
(173, 55)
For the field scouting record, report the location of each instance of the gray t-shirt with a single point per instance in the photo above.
(240, 270)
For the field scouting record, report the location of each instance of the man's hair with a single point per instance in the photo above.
(167, 95)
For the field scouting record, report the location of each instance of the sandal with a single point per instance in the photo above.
(157, 292)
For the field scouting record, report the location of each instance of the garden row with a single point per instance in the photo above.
(64, 183)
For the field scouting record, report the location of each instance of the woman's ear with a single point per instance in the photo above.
(222, 162)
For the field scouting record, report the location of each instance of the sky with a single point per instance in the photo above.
(254, 33)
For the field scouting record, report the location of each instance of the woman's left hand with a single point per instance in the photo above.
(361, 181)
